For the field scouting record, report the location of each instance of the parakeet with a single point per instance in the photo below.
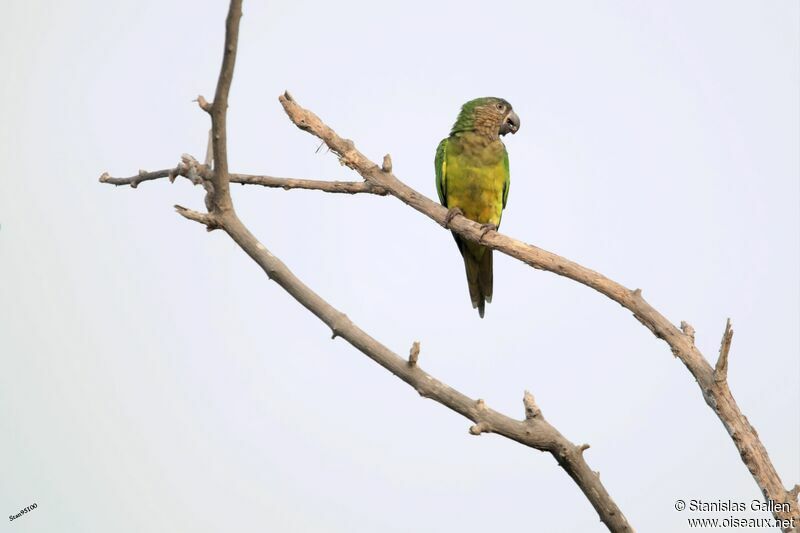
(472, 178)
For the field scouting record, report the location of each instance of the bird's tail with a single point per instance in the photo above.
(478, 265)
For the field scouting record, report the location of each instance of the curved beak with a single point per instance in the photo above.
(510, 124)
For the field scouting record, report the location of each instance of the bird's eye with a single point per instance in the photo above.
(501, 107)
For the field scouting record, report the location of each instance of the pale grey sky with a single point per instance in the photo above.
(659, 145)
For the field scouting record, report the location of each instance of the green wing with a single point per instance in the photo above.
(441, 171)
(507, 183)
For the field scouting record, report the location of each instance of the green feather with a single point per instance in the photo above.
(472, 173)
(507, 184)
(441, 184)
(466, 117)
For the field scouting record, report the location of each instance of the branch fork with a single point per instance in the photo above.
(534, 431)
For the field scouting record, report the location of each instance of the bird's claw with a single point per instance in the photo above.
(451, 214)
(486, 228)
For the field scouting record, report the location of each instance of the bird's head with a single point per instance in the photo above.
(489, 116)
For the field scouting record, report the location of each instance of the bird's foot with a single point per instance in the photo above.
(486, 228)
(452, 213)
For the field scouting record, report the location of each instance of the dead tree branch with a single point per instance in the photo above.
(715, 390)
(534, 431)
(344, 187)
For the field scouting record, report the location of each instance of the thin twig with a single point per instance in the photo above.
(343, 187)
(220, 198)
(207, 219)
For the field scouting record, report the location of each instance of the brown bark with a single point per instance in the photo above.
(713, 383)
(534, 431)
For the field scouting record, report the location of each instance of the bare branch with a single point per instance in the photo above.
(207, 219)
(134, 181)
(716, 393)
(721, 368)
(220, 199)
(534, 431)
(342, 187)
